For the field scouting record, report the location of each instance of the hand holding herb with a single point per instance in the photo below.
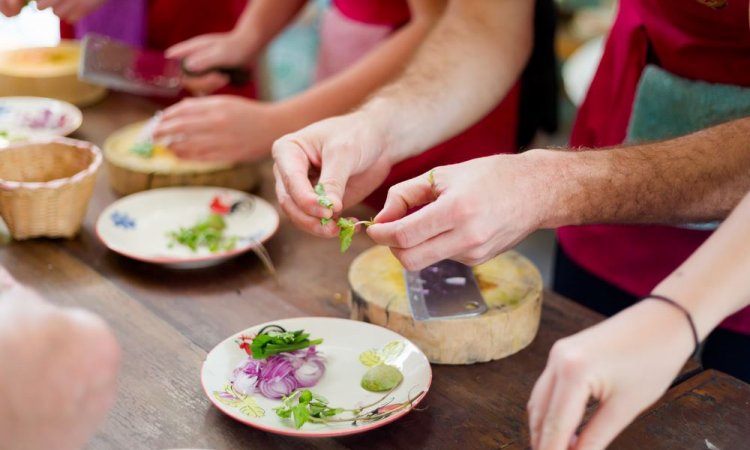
(346, 226)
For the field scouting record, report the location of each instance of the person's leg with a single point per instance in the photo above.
(729, 352)
(576, 283)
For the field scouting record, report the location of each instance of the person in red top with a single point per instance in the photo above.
(363, 45)
(608, 267)
(152, 24)
(474, 210)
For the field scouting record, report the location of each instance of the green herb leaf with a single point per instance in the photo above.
(323, 200)
(346, 233)
(207, 233)
(300, 414)
(143, 149)
(274, 342)
(324, 220)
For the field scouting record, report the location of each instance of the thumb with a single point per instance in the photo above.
(335, 170)
(404, 196)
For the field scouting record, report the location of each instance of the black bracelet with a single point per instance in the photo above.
(685, 311)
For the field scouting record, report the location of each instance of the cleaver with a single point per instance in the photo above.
(445, 290)
(123, 67)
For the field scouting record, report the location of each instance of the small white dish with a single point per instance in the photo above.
(30, 117)
(346, 345)
(138, 226)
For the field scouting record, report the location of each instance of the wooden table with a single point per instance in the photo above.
(166, 322)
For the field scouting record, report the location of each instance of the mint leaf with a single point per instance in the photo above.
(323, 200)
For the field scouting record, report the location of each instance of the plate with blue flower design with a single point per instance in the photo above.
(268, 395)
(186, 227)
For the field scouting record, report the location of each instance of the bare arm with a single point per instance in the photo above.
(485, 206)
(262, 20)
(697, 177)
(472, 59)
(346, 90)
(599, 362)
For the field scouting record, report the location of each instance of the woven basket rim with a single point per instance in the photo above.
(59, 182)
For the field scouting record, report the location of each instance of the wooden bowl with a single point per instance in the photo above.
(47, 72)
(510, 284)
(129, 172)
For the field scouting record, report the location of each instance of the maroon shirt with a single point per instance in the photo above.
(688, 39)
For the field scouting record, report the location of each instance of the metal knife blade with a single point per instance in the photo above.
(446, 290)
(122, 67)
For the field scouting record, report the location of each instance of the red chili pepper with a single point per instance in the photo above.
(219, 207)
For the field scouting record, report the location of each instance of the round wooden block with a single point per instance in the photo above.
(47, 72)
(510, 284)
(130, 173)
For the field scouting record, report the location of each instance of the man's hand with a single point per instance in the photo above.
(349, 154)
(58, 372)
(470, 211)
(220, 128)
(231, 49)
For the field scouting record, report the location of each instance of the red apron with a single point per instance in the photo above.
(687, 39)
(495, 133)
(174, 21)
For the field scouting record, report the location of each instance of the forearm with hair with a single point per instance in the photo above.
(695, 178)
(469, 62)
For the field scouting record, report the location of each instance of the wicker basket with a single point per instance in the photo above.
(46, 185)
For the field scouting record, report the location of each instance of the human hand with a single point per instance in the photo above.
(70, 10)
(231, 49)
(62, 379)
(220, 128)
(349, 152)
(606, 362)
(472, 211)
(10, 8)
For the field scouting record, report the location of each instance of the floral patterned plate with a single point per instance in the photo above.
(350, 348)
(139, 226)
(25, 117)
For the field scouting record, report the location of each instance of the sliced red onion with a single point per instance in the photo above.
(279, 375)
(310, 372)
(277, 387)
(245, 384)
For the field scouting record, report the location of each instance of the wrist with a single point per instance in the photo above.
(394, 133)
(552, 190)
(247, 42)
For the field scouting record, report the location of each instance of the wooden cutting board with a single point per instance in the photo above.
(47, 72)
(510, 284)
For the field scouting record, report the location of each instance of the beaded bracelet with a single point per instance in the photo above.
(685, 311)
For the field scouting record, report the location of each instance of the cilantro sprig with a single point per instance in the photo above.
(347, 227)
(206, 233)
(273, 340)
(303, 406)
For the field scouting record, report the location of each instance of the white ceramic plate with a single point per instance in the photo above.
(26, 117)
(138, 225)
(344, 341)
